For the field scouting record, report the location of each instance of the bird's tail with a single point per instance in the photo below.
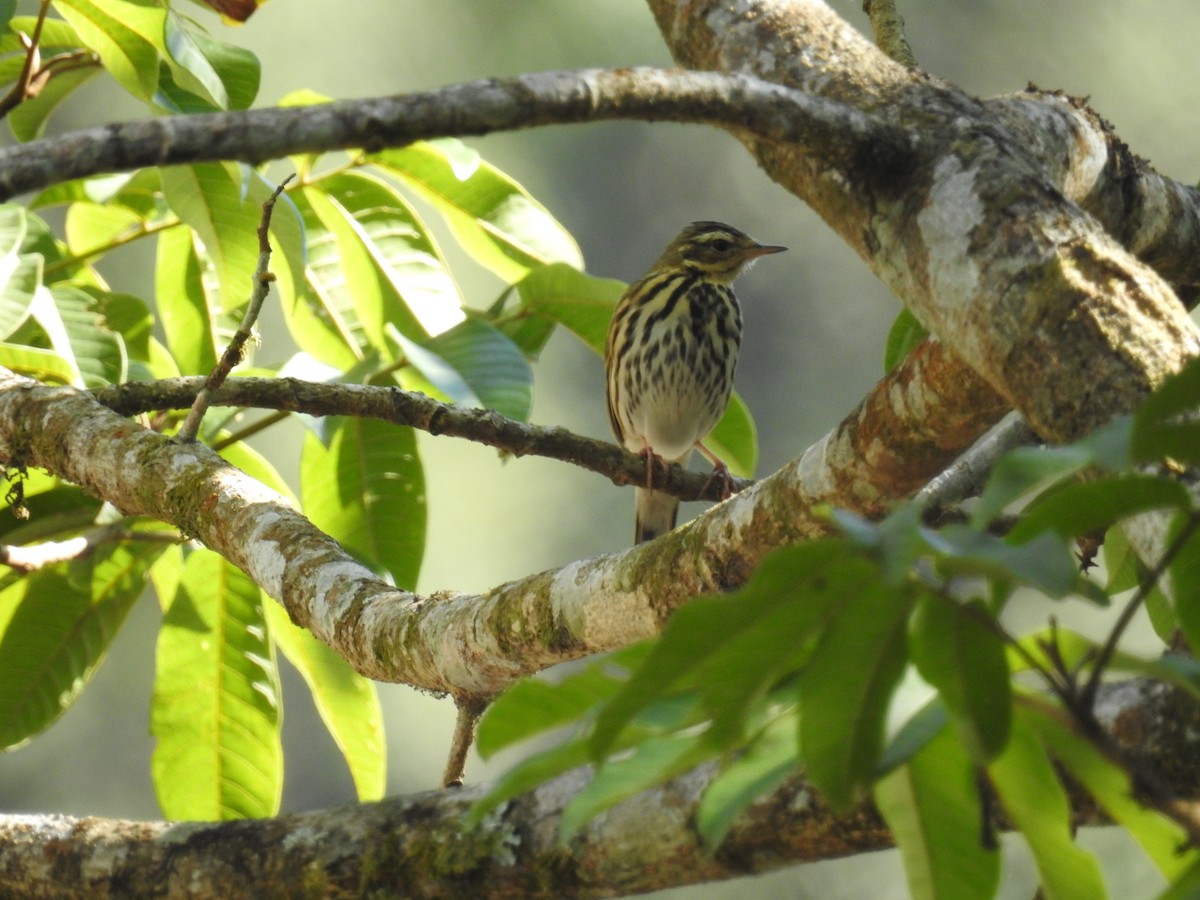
(656, 514)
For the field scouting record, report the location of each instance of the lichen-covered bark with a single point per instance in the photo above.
(968, 228)
(418, 846)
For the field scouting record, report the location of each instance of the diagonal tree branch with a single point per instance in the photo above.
(475, 645)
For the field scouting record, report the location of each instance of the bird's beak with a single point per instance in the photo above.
(763, 250)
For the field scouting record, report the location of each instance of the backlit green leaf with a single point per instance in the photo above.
(366, 488)
(124, 33)
(932, 806)
(493, 217)
(1036, 803)
(216, 709)
(59, 630)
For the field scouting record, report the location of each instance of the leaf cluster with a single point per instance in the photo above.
(881, 664)
(368, 297)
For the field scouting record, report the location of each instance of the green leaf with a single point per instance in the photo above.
(846, 688)
(1023, 470)
(187, 311)
(957, 652)
(533, 706)
(1045, 562)
(789, 595)
(1186, 886)
(471, 365)
(649, 763)
(1036, 804)
(32, 362)
(1161, 428)
(415, 292)
(92, 226)
(346, 701)
(933, 809)
(59, 630)
(769, 759)
(1184, 570)
(365, 487)
(322, 318)
(735, 439)
(210, 199)
(528, 774)
(221, 75)
(1113, 788)
(906, 333)
(492, 217)
(216, 709)
(20, 273)
(918, 730)
(124, 33)
(1077, 509)
(98, 352)
(565, 296)
(28, 119)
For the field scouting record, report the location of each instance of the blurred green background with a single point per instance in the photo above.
(815, 322)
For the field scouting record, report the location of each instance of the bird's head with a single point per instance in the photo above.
(716, 250)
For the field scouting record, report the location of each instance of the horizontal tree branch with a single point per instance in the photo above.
(483, 426)
(418, 847)
(481, 107)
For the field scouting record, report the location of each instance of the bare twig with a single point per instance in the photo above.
(233, 353)
(888, 26)
(469, 711)
(484, 426)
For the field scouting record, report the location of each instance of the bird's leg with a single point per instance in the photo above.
(720, 472)
(653, 461)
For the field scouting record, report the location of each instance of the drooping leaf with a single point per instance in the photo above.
(1163, 840)
(1045, 562)
(493, 217)
(187, 311)
(216, 707)
(846, 687)
(1162, 426)
(59, 632)
(932, 806)
(1019, 472)
(533, 706)
(221, 75)
(1185, 580)
(365, 486)
(1036, 803)
(210, 199)
(346, 701)
(957, 652)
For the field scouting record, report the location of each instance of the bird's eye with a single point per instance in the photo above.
(721, 245)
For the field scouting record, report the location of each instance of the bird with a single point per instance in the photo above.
(670, 355)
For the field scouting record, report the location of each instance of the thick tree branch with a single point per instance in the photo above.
(974, 236)
(475, 645)
(417, 846)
